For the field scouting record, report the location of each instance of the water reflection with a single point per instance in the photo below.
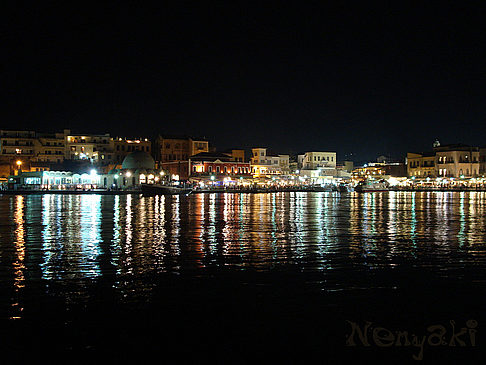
(18, 265)
(67, 238)
(71, 236)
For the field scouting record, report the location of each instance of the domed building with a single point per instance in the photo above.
(137, 168)
(138, 160)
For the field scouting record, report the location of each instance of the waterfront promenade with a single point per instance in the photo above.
(247, 190)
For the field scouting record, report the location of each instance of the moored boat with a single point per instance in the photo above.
(372, 187)
(158, 189)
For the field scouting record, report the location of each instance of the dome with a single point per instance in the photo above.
(138, 160)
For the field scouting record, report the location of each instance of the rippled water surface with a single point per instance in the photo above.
(96, 263)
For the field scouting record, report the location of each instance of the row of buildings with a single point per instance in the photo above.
(193, 158)
(447, 161)
(181, 157)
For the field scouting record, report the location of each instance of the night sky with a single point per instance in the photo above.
(364, 80)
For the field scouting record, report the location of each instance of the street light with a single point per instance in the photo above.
(19, 163)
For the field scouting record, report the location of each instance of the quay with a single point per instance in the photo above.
(242, 190)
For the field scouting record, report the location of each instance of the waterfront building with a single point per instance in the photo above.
(316, 164)
(348, 166)
(482, 161)
(137, 168)
(264, 164)
(457, 160)
(380, 170)
(421, 165)
(29, 151)
(49, 148)
(217, 166)
(344, 169)
(53, 180)
(95, 148)
(174, 149)
(16, 144)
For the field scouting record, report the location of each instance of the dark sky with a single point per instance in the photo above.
(365, 80)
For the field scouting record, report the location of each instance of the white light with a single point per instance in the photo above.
(93, 172)
(128, 174)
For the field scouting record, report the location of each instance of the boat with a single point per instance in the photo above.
(345, 188)
(372, 187)
(158, 189)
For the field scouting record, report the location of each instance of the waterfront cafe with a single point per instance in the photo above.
(446, 183)
(54, 180)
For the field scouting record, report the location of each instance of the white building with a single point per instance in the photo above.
(97, 148)
(315, 164)
(263, 164)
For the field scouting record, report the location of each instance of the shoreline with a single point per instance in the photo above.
(232, 191)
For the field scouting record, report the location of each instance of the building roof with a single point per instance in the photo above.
(138, 160)
(211, 156)
(455, 147)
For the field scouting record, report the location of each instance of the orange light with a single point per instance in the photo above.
(19, 163)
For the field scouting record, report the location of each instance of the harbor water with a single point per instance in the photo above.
(242, 278)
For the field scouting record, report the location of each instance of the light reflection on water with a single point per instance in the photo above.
(69, 238)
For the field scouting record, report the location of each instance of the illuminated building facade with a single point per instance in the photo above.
(264, 164)
(96, 148)
(29, 150)
(219, 165)
(421, 165)
(58, 180)
(137, 168)
(314, 164)
(457, 161)
(380, 170)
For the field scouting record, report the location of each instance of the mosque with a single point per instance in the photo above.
(137, 168)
